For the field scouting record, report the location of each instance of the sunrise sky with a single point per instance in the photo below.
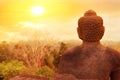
(57, 20)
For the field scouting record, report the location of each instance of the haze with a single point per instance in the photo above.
(59, 20)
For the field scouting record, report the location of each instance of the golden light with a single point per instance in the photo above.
(37, 10)
(31, 25)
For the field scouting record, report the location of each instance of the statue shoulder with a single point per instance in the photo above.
(72, 51)
(114, 56)
(113, 52)
(115, 60)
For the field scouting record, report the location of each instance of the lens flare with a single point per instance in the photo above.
(37, 10)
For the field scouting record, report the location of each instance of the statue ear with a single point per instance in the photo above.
(79, 32)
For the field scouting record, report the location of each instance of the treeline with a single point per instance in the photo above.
(35, 57)
(32, 55)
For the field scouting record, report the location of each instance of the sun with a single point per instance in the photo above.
(37, 10)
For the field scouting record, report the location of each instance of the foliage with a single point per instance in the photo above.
(5, 51)
(45, 71)
(33, 54)
(11, 68)
(52, 59)
(38, 53)
(63, 48)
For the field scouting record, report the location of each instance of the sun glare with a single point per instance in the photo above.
(37, 10)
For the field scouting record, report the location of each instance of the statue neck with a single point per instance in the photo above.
(92, 44)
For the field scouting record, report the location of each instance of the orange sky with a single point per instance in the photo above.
(59, 19)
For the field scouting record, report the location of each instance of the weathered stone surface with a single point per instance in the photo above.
(91, 27)
(64, 77)
(28, 77)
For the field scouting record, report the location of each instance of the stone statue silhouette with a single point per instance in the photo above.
(91, 60)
